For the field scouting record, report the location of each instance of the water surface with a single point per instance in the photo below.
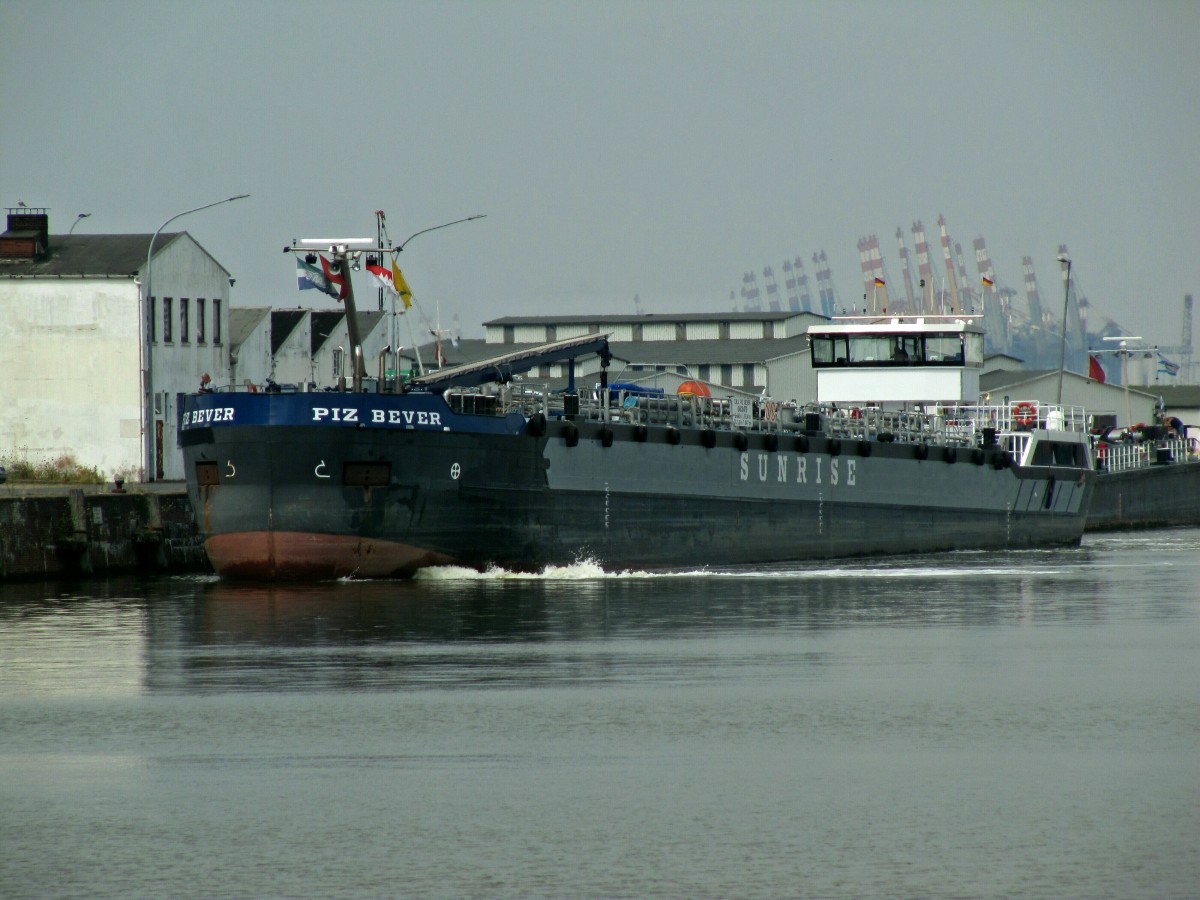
(976, 724)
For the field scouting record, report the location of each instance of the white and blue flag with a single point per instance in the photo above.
(1166, 367)
(309, 276)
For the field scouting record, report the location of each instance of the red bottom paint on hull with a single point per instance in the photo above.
(266, 554)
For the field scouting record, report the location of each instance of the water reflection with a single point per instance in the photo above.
(503, 607)
(460, 627)
(500, 629)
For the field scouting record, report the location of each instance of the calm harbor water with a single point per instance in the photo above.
(963, 725)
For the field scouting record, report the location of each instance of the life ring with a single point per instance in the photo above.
(1024, 414)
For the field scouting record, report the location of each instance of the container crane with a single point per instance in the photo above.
(905, 268)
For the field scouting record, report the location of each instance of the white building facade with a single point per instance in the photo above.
(94, 369)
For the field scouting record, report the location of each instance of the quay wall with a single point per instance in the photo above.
(94, 530)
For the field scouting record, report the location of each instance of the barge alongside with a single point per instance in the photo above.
(1149, 482)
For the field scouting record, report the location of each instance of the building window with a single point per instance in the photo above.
(167, 312)
(727, 374)
(680, 331)
(153, 322)
(509, 334)
(705, 372)
(551, 333)
(216, 321)
(183, 320)
(723, 331)
(768, 329)
(337, 362)
(200, 320)
(748, 374)
(637, 331)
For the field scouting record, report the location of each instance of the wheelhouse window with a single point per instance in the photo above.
(906, 349)
(830, 349)
(973, 344)
(943, 348)
(216, 309)
(183, 320)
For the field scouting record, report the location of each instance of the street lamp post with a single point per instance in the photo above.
(79, 218)
(148, 459)
(399, 249)
(1062, 344)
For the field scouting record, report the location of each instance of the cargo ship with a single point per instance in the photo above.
(480, 466)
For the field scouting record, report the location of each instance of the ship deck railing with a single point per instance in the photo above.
(1122, 456)
(1008, 425)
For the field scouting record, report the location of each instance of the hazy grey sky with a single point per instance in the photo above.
(619, 148)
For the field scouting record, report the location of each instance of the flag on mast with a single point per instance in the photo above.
(1095, 370)
(381, 276)
(336, 278)
(401, 286)
(309, 276)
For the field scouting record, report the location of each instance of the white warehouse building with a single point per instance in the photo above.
(81, 349)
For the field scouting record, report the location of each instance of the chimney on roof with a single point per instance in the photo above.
(27, 235)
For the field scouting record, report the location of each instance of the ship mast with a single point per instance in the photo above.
(345, 254)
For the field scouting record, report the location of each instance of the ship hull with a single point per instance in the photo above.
(291, 500)
(1156, 496)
